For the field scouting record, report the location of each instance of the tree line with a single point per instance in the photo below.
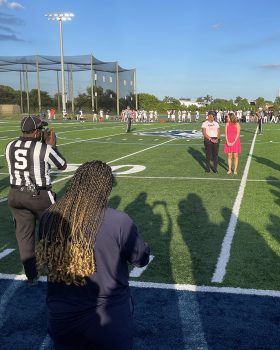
(106, 99)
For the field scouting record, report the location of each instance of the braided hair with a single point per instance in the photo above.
(70, 225)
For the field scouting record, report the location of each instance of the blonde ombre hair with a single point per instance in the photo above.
(66, 249)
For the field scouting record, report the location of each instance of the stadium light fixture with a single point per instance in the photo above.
(61, 17)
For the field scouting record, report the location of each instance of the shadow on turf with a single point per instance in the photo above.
(269, 163)
(228, 321)
(199, 156)
(158, 323)
(164, 319)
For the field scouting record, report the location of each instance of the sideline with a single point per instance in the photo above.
(177, 287)
(223, 259)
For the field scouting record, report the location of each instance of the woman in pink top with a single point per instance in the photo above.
(232, 144)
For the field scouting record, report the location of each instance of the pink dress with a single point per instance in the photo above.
(231, 134)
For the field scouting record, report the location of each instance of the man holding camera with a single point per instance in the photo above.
(29, 159)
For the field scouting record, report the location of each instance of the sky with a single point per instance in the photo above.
(179, 48)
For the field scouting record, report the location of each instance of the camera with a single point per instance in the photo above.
(45, 134)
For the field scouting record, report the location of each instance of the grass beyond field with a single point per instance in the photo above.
(182, 212)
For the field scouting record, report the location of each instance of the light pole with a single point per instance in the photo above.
(60, 17)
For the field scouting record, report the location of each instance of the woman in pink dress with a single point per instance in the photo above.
(232, 144)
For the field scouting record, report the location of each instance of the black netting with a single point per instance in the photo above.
(101, 84)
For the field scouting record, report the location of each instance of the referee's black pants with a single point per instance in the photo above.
(211, 149)
(26, 210)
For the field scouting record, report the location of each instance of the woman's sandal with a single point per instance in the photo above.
(229, 172)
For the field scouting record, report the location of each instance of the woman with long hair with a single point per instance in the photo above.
(232, 145)
(85, 248)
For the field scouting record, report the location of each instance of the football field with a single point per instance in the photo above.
(214, 238)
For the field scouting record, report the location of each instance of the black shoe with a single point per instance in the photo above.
(207, 170)
(215, 171)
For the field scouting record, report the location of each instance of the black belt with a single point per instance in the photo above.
(46, 188)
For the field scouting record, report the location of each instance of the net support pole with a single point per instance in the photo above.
(27, 91)
(38, 84)
(135, 90)
(92, 82)
(72, 88)
(58, 92)
(20, 86)
(118, 89)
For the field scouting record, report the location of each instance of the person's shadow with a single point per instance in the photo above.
(156, 310)
(199, 157)
(267, 162)
(200, 237)
(246, 269)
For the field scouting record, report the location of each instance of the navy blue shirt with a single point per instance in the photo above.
(117, 244)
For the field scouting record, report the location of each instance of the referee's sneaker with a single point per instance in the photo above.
(30, 158)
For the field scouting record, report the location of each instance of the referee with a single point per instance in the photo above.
(30, 159)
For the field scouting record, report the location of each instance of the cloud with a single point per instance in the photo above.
(7, 32)
(6, 29)
(10, 20)
(11, 5)
(256, 44)
(270, 66)
(10, 37)
(217, 26)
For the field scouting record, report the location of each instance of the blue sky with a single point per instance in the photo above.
(180, 48)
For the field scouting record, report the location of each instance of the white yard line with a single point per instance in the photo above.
(128, 155)
(92, 138)
(178, 287)
(143, 150)
(223, 259)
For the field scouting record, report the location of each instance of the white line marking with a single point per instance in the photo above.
(5, 253)
(209, 289)
(178, 287)
(143, 150)
(223, 259)
(137, 271)
(93, 138)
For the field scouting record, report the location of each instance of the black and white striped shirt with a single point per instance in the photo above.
(30, 161)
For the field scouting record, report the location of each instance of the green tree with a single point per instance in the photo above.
(260, 102)
(147, 101)
(238, 99)
(46, 100)
(200, 99)
(276, 104)
(208, 99)
(243, 104)
(8, 95)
